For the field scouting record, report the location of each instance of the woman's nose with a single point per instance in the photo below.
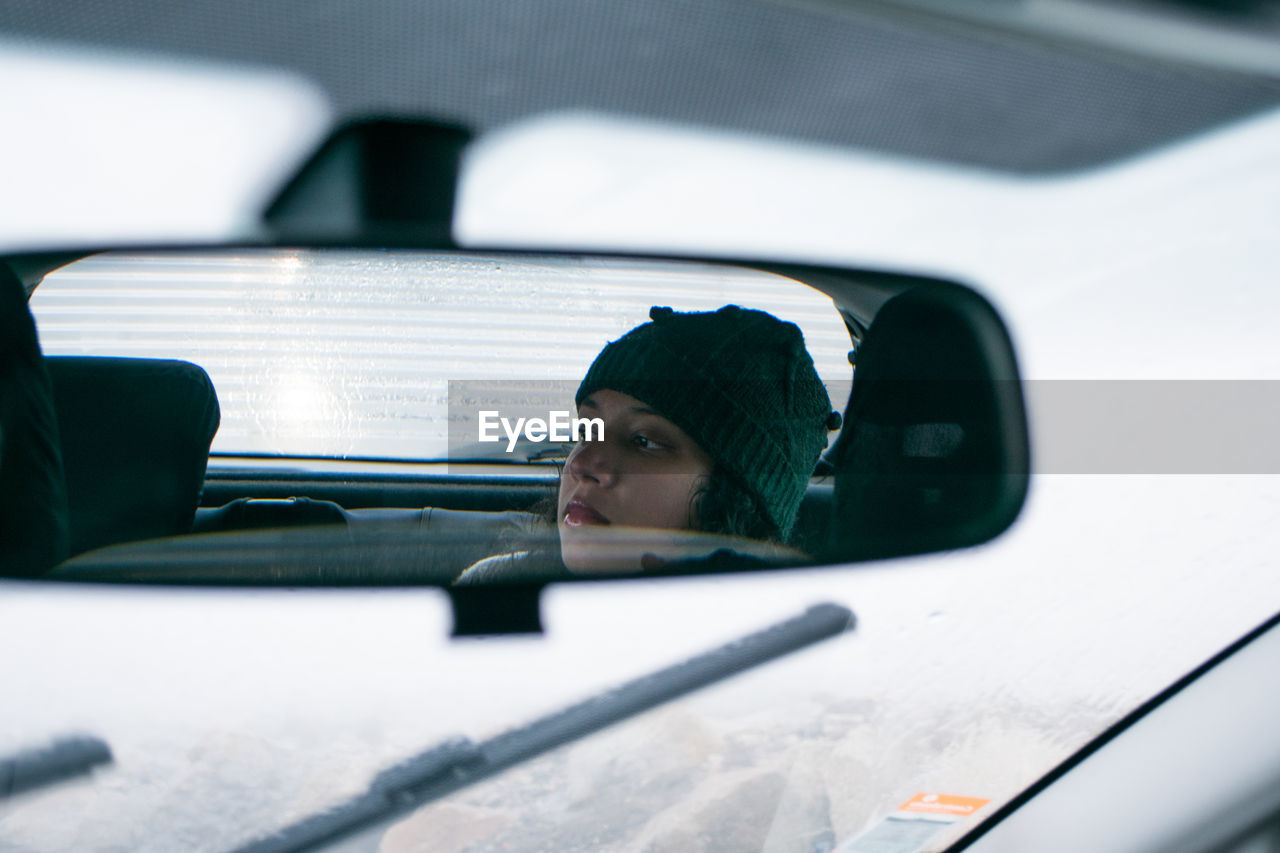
(592, 460)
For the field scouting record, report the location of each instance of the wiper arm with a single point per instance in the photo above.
(458, 762)
(64, 759)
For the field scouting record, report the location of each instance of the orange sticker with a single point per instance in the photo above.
(943, 804)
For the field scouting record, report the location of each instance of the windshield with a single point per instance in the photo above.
(970, 675)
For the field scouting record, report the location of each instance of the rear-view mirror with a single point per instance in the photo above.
(378, 416)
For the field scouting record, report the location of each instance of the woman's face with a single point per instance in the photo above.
(644, 473)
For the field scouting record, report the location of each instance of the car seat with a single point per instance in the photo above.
(135, 444)
(33, 498)
(931, 456)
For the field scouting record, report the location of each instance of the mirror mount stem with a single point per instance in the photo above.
(375, 181)
(490, 610)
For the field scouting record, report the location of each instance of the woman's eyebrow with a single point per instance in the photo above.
(590, 402)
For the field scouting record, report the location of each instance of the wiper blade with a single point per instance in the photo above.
(458, 762)
(61, 760)
(402, 788)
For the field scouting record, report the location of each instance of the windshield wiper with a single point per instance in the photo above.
(61, 760)
(458, 762)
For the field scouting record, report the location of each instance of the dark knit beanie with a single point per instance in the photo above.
(740, 383)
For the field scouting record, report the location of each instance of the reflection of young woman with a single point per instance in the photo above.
(713, 423)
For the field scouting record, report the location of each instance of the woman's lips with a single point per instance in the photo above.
(578, 514)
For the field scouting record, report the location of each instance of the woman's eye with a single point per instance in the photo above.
(644, 442)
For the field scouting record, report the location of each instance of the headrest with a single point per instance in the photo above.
(135, 443)
(921, 449)
(33, 498)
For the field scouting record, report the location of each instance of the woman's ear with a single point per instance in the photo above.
(701, 487)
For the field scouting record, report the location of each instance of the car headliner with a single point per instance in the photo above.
(864, 75)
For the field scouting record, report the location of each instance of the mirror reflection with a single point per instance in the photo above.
(351, 416)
